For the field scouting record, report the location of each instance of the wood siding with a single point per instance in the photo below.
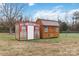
(52, 31)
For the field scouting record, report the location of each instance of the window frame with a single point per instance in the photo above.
(45, 28)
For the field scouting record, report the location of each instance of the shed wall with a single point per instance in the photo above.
(52, 32)
(17, 31)
(27, 31)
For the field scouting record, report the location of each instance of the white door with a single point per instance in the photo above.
(30, 32)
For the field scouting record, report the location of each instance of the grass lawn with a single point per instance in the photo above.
(65, 44)
(7, 36)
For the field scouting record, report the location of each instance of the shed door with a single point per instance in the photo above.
(30, 32)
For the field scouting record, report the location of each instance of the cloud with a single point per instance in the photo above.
(31, 4)
(54, 13)
(72, 11)
(49, 14)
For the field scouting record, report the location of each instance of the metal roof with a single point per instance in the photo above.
(50, 22)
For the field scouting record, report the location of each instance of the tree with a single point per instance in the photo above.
(63, 26)
(75, 20)
(75, 17)
(77, 27)
(10, 12)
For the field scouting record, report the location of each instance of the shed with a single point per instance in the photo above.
(48, 28)
(26, 30)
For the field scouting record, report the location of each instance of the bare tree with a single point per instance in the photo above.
(76, 17)
(75, 20)
(10, 12)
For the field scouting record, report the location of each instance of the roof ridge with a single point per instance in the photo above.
(48, 20)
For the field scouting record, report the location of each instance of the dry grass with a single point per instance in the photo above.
(66, 44)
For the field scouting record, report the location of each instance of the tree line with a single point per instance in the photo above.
(73, 26)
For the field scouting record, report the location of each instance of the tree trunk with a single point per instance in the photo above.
(10, 30)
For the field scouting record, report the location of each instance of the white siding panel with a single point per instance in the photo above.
(30, 32)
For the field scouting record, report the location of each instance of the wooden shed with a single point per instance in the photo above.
(48, 28)
(27, 30)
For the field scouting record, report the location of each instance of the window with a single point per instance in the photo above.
(46, 28)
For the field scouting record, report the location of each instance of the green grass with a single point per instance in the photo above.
(62, 36)
(7, 36)
(69, 36)
(52, 40)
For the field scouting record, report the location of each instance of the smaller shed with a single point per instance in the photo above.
(48, 28)
(27, 30)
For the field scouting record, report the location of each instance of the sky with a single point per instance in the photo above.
(50, 11)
